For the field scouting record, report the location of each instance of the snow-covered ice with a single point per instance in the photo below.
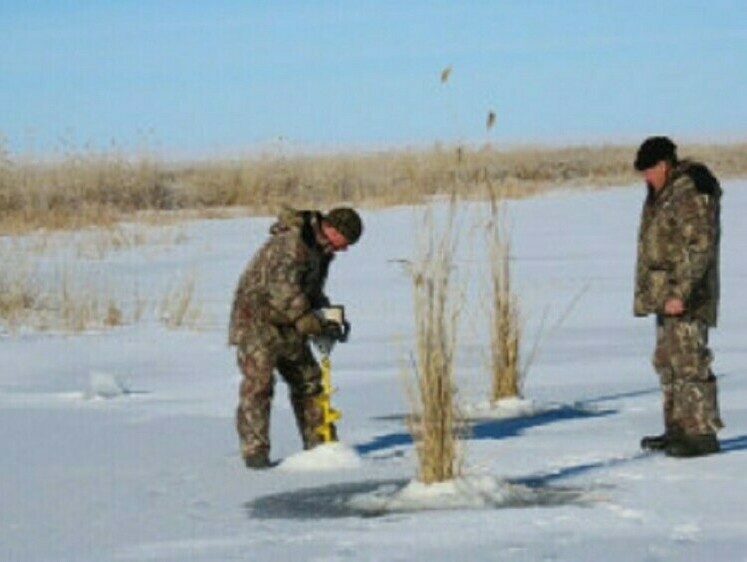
(148, 470)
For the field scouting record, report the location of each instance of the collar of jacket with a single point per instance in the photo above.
(315, 236)
(308, 224)
(658, 197)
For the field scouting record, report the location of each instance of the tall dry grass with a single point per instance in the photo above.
(435, 421)
(72, 300)
(178, 307)
(99, 188)
(18, 296)
(67, 302)
(81, 190)
(505, 320)
(74, 305)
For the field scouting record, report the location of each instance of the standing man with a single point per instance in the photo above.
(275, 312)
(677, 279)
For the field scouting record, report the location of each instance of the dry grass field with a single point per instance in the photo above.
(91, 194)
(103, 188)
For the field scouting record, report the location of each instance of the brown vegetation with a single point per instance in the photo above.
(85, 189)
(505, 321)
(72, 300)
(435, 420)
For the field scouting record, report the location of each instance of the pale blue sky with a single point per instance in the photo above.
(223, 77)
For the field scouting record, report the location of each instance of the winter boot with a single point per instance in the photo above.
(257, 461)
(693, 445)
(655, 442)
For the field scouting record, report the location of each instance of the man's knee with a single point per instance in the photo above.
(255, 362)
(256, 389)
(304, 377)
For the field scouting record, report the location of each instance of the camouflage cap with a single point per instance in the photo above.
(654, 150)
(347, 222)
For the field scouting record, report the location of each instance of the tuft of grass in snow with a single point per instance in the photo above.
(435, 420)
(505, 321)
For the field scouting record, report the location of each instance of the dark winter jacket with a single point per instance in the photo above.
(678, 245)
(285, 279)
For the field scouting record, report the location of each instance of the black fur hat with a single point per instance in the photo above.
(654, 150)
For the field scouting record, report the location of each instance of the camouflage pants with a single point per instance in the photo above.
(258, 357)
(683, 360)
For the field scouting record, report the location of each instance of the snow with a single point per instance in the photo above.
(514, 407)
(465, 492)
(120, 445)
(104, 385)
(329, 456)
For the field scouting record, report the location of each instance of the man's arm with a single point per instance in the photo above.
(692, 250)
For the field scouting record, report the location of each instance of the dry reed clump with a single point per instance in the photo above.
(435, 421)
(505, 321)
(101, 188)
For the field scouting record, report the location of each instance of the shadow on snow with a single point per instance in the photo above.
(538, 490)
(734, 444)
(337, 500)
(481, 428)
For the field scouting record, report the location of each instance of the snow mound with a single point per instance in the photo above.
(104, 385)
(514, 407)
(329, 456)
(469, 492)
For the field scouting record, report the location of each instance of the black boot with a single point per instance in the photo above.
(655, 442)
(257, 461)
(693, 445)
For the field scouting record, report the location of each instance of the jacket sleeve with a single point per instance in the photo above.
(640, 295)
(693, 251)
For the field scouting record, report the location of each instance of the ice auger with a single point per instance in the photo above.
(329, 414)
(325, 343)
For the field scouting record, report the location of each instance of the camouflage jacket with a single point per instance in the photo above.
(678, 245)
(285, 278)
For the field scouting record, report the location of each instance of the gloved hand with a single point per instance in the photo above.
(309, 325)
(333, 330)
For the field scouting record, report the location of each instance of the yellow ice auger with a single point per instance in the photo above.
(336, 316)
(329, 414)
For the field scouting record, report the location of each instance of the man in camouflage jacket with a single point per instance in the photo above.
(274, 315)
(677, 279)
